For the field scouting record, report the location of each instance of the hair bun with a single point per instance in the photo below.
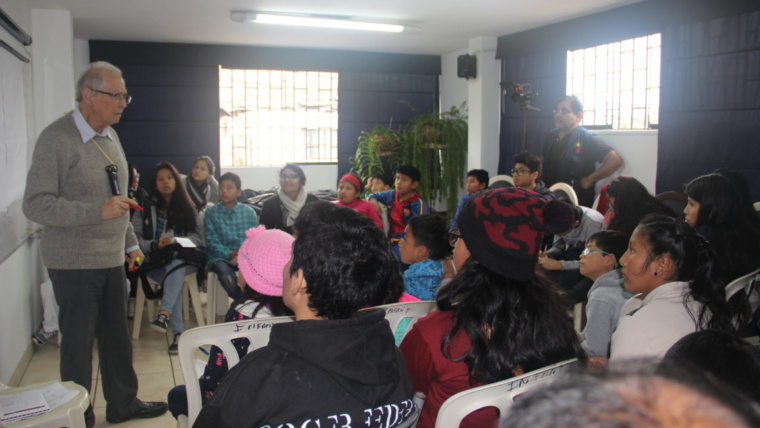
(558, 217)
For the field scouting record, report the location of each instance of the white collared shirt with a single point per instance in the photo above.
(85, 130)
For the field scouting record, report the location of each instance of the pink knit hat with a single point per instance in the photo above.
(262, 258)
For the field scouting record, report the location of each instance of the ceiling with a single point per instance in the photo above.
(445, 25)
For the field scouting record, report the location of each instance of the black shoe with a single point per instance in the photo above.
(174, 348)
(160, 323)
(146, 409)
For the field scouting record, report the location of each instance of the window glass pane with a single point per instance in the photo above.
(619, 82)
(271, 117)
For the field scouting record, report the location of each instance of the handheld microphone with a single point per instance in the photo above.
(113, 179)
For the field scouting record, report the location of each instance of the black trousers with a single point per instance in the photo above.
(93, 305)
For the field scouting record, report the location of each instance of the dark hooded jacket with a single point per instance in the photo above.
(329, 372)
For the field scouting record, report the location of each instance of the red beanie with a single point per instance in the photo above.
(503, 228)
(353, 180)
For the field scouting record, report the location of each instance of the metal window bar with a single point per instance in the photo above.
(277, 116)
(609, 102)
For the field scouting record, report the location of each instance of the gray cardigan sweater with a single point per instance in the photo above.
(65, 189)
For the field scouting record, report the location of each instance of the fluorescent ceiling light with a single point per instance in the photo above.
(309, 21)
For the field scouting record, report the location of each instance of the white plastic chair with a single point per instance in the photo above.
(402, 316)
(500, 395)
(217, 299)
(69, 414)
(568, 189)
(189, 288)
(502, 177)
(255, 330)
(749, 284)
(578, 314)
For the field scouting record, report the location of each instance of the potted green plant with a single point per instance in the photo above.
(436, 143)
(378, 151)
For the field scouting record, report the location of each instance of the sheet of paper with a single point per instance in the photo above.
(56, 394)
(22, 405)
(186, 243)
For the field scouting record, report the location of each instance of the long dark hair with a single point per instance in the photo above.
(512, 325)
(180, 212)
(274, 303)
(723, 221)
(742, 187)
(694, 261)
(632, 203)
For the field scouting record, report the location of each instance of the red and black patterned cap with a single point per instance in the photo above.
(503, 229)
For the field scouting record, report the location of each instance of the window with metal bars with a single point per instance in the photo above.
(274, 117)
(619, 83)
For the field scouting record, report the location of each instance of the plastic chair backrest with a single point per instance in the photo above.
(566, 189)
(402, 316)
(497, 181)
(750, 298)
(500, 395)
(256, 331)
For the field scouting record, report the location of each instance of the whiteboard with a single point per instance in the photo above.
(15, 120)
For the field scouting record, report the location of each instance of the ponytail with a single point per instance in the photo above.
(694, 262)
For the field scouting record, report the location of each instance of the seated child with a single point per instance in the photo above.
(561, 261)
(599, 262)
(477, 180)
(403, 203)
(329, 367)
(349, 189)
(425, 247)
(224, 225)
(380, 183)
(262, 257)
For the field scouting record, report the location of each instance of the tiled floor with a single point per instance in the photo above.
(157, 373)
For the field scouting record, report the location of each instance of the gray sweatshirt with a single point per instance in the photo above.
(65, 189)
(591, 222)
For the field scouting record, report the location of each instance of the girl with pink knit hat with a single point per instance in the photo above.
(261, 260)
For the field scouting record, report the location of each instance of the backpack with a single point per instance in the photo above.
(195, 256)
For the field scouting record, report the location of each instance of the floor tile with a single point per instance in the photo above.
(164, 421)
(151, 361)
(154, 386)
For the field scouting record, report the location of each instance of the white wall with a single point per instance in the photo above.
(53, 94)
(318, 177)
(483, 101)
(639, 152)
(19, 307)
(453, 89)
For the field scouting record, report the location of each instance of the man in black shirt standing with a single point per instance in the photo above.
(571, 152)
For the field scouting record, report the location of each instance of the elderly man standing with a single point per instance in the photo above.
(87, 236)
(571, 152)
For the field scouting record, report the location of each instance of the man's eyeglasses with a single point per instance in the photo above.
(563, 110)
(453, 238)
(120, 96)
(520, 171)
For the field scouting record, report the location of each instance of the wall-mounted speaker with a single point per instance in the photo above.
(466, 65)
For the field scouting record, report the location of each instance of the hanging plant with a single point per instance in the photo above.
(436, 143)
(378, 152)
